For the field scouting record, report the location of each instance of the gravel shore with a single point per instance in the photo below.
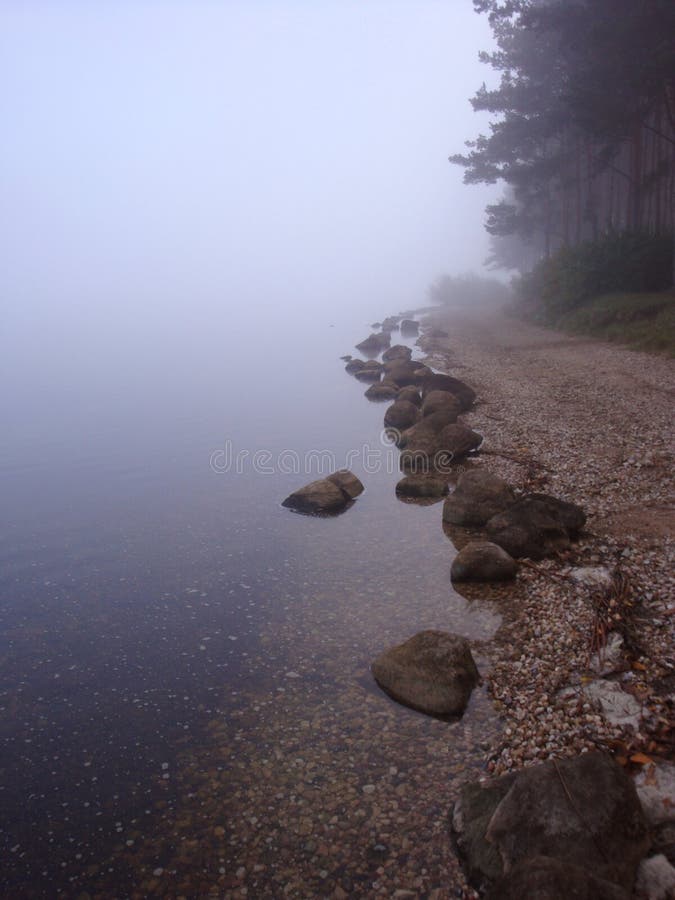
(591, 423)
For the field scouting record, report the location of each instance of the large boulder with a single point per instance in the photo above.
(462, 391)
(422, 486)
(398, 351)
(431, 425)
(433, 672)
(401, 415)
(582, 811)
(390, 323)
(483, 561)
(457, 439)
(545, 878)
(406, 372)
(375, 343)
(436, 401)
(536, 525)
(382, 390)
(326, 495)
(478, 496)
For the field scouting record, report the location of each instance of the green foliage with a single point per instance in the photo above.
(642, 321)
(626, 262)
(468, 290)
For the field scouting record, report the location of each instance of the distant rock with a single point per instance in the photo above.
(398, 351)
(326, 495)
(402, 371)
(483, 561)
(478, 496)
(371, 371)
(435, 401)
(355, 365)
(436, 382)
(375, 343)
(421, 486)
(410, 327)
(390, 323)
(457, 439)
(383, 390)
(401, 415)
(433, 672)
(535, 526)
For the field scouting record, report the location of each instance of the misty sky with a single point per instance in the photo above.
(160, 156)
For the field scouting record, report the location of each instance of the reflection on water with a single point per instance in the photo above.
(186, 705)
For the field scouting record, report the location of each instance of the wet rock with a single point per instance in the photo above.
(421, 486)
(535, 526)
(583, 811)
(402, 371)
(435, 401)
(326, 495)
(410, 327)
(383, 390)
(483, 561)
(390, 323)
(462, 391)
(411, 394)
(398, 351)
(348, 482)
(355, 365)
(457, 439)
(478, 496)
(369, 371)
(375, 343)
(401, 415)
(433, 672)
(545, 878)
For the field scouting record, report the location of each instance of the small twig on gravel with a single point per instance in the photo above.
(538, 569)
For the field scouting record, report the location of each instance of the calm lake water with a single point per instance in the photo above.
(185, 700)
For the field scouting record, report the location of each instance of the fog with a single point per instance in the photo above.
(168, 167)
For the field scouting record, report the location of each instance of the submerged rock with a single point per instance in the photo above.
(433, 672)
(326, 495)
(483, 561)
(536, 525)
(478, 496)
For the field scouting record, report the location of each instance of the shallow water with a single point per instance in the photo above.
(185, 698)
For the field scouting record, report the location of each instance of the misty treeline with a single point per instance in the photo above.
(583, 136)
(468, 290)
